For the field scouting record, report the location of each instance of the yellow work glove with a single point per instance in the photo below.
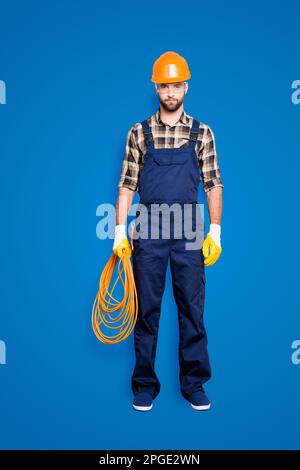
(212, 245)
(121, 244)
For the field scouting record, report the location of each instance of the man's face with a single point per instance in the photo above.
(171, 95)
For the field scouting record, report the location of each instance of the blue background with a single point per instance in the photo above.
(77, 77)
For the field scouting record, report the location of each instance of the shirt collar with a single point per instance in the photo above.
(184, 118)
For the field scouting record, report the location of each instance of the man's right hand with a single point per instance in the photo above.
(121, 244)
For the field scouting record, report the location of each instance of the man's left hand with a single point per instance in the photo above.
(212, 245)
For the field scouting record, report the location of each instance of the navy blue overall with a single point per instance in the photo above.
(170, 175)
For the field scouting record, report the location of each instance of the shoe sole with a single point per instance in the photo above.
(142, 408)
(200, 407)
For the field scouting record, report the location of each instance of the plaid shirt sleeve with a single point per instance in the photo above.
(131, 162)
(210, 171)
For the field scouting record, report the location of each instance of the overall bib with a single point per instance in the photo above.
(170, 176)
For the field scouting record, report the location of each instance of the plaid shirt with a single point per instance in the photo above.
(165, 136)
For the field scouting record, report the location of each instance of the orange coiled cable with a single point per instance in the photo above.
(105, 303)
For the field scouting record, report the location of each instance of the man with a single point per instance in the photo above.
(166, 157)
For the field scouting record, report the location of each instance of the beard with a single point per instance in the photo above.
(171, 105)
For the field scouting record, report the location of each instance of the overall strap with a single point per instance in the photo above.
(194, 131)
(148, 134)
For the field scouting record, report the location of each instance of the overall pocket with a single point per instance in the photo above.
(170, 159)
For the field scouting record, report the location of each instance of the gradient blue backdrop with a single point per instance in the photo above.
(78, 76)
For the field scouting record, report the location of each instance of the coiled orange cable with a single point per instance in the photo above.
(105, 303)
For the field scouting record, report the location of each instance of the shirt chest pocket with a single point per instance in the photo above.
(170, 159)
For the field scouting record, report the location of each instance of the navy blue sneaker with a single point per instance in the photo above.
(142, 401)
(199, 401)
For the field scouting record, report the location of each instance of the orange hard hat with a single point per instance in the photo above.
(170, 67)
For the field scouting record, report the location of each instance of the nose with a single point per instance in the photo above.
(170, 93)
